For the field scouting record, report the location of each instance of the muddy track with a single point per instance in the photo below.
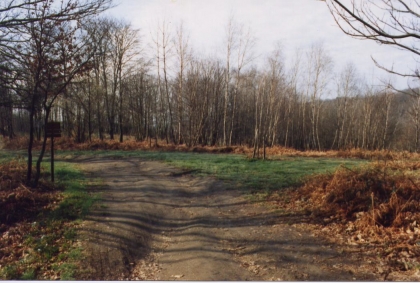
(155, 223)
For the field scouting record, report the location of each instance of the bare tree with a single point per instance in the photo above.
(277, 91)
(245, 44)
(414, 113)
(139, 89)
(317, 79)
(388, 97)
(231, 30)
(124, 50)
(49, 55)
(346, 89)
(15, 12)
(367, 132)
(269, 98)
(292, 93)
(395, 23)
(183, 53)
(164, 50)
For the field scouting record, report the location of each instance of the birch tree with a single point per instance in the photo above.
(183, 54)
(346, 89)
(230, 38)
(319, 66)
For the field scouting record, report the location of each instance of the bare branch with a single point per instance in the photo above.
(387, 22)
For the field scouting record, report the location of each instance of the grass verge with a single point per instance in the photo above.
(42, 246)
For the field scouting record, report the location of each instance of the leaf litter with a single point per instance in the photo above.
(30, 244)
(373, 210)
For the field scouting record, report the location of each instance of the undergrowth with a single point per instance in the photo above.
(274, 152)
(388, 191)
(376, 206)
(37, 225)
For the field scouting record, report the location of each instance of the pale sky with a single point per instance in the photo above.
(293, 23)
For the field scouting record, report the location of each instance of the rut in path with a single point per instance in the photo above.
(155, 223)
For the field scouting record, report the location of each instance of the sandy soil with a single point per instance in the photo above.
(158, 223)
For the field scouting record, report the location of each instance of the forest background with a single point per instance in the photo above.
(110, 84)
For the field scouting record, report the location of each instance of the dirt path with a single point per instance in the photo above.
(156, 223)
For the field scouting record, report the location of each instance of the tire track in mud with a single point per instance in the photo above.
(156, 223)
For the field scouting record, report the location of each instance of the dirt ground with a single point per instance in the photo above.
(158, 223)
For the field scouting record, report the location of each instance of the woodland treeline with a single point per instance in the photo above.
(101, 81)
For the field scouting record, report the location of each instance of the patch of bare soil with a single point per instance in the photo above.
(155, 223)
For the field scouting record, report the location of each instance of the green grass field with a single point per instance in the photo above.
(238, 170)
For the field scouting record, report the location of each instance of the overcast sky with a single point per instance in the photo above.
(293, 23)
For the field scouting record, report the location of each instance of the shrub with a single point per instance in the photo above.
(388, 191)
